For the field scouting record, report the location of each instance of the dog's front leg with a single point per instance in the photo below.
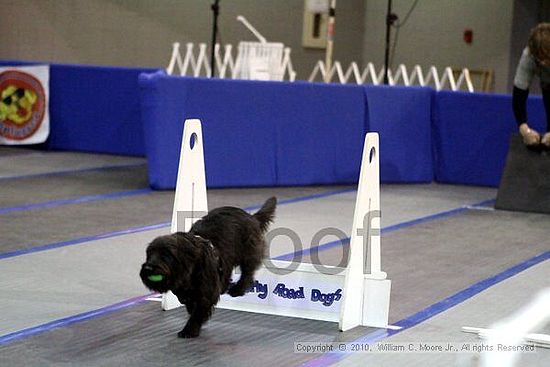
(199, 315)
(192, 327)
(190, 306)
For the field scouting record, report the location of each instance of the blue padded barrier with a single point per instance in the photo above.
(238, 133)
(471, 134)
(4, 63)
(94, 108)
(402, 117)
(256, 133)
(264, 133)
(320, 132)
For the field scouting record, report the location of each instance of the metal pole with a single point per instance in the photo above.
(389, 22)
(216, 10)
(330, 39)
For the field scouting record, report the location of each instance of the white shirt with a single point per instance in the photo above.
(526, 70)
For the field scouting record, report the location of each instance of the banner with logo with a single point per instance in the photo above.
(24, 99)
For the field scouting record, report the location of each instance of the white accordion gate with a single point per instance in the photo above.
(352, 296)
(400, 76)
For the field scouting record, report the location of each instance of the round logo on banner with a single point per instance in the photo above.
(22, 104)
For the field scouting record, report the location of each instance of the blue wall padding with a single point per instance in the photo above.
(320, 132)
(238, 135)
(402, 117)
(94, 109)
(255, 133)
(271, 133)
(4, 63)
(471, 134)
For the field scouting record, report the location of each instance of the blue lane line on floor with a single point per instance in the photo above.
(433, 310)
(149, 227)
(80, 240)
(134, 301)
(70, 171)
(78, 200)
(447, 213)
(18, 154)
(71, 320)
(96, 313)
(304, 198)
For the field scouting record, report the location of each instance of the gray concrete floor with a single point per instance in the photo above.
(427, 261)
(495, 304)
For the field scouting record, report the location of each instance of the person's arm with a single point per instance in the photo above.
(519, 102)
(522, 80)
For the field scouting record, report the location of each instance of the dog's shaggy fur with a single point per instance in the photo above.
(196, 266)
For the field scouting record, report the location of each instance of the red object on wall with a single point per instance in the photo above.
(468, 36)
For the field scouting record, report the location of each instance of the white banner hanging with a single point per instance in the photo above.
(24, 99)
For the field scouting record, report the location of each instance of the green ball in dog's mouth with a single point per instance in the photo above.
(155, 278)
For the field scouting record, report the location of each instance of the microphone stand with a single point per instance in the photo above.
(390, 19)
(216, 10)
(330, 39)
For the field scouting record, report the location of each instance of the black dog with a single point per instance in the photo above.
(196, 265)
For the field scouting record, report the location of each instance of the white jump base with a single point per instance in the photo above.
(358, 295)
(299, 287)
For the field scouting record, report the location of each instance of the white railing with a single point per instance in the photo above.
(195, 62)
(400, 76)
(515, 330)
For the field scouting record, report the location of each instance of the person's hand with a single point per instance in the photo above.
(530, 136)
(546, 140)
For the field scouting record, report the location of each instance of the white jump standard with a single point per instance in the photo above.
(358, 295)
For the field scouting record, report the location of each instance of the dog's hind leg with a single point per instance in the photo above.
(248, 264)
(245, 281)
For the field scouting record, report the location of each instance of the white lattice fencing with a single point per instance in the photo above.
(400, 76)
(195, 62)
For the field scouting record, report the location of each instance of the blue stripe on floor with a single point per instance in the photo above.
(304, 198)
(70, 171)
(19, 154)
(80, 240)
(71, 320)
(88, 315)
(148, 227)
(447, 213)
(433, 310)
(78, 200)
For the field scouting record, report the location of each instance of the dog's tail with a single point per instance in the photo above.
(266, 213)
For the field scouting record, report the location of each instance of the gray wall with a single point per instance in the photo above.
(433, 35)
(141, 32)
